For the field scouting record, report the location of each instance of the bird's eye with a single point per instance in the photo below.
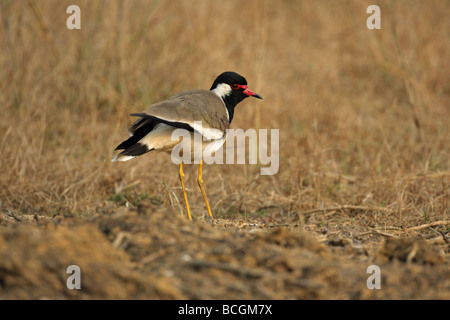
(234, 86)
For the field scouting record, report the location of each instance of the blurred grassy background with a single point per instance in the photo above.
(363, 114)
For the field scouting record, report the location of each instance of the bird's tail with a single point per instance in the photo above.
(121, 157)
(131, 151)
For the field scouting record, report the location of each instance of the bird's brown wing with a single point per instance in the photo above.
(196, 110)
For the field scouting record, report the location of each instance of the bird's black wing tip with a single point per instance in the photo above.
(141, 114)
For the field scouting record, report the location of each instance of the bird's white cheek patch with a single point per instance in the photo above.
(222, 90)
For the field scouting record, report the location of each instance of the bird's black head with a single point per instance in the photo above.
(232, 88)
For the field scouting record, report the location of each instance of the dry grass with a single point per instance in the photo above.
(363, 115)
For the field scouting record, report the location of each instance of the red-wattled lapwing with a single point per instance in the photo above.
(214, 108)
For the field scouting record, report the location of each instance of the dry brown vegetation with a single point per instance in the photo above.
(364, 150)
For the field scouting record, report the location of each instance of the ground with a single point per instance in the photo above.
(143, 253)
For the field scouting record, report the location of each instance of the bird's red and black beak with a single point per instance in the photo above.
(250, 93)
(245, 90)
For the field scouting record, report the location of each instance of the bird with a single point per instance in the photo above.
(152, 131)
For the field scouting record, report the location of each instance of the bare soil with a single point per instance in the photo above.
(151, 253)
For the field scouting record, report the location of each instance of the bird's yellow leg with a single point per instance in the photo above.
(181, 174)
(200, 184)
